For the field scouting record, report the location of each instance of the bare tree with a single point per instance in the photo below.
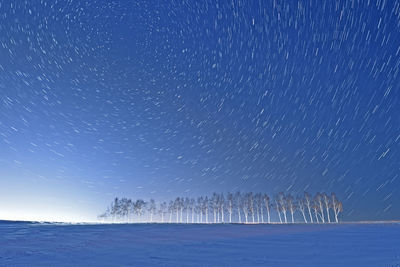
(192, 208)
(337, 206)
(139, 208)
(278, 208)
(206, 204)
(327, 205)
(302, 207)
(251, 201)
(267, 206)
(290, 205)
(177, 204)
(114, 210)
(214, 206)
(221, 206)
(307, 199)
(197, 209)
(131, 210)
(123, 208)
(200, 204)
(245, 203)
(162, 210)
(282, 205)
(181, 206)
(152, 208)
(315, 208)
(171, 209)
(229, 199)
(258, 200)
(186, 205)
(319, 202)
(238, 204)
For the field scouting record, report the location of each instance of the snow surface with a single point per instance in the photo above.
(34, 244)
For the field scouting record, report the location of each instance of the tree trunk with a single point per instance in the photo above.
(304, 216)
(258, 215)
(321, 209)
(262, 215)
(327, 212)
(316, 216)
(309, 212)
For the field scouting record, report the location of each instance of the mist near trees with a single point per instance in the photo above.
(236, 207)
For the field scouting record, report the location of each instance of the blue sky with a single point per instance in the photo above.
(157, 99)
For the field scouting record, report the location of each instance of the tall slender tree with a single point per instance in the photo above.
(302, 207)
(251, 206)
(152, 208)
(229, 198)
(278, 209)
(162, 210)
(171, 208)
(221, 206)
(260, 204)
(206, 205)
(308, 203)
(319, 203)
(282, 205)
(192, 208)
(336, 206)
(214, 206)
(327, 205)
(291, 206)
(139, 208)
(186, 204)
(315, 208)
(267, 206)
(238, 204)
(245, 203)
(200, 203)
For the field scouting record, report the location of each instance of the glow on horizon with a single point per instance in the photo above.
(49, 200)
(60, 217)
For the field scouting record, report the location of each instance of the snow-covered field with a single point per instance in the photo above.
(29, 244)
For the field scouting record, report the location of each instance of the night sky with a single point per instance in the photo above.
(157, 99)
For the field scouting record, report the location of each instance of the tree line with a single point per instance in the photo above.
(230, 208)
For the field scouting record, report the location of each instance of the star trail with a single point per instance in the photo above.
(162, 98)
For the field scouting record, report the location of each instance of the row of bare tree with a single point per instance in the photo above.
(230, 208)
